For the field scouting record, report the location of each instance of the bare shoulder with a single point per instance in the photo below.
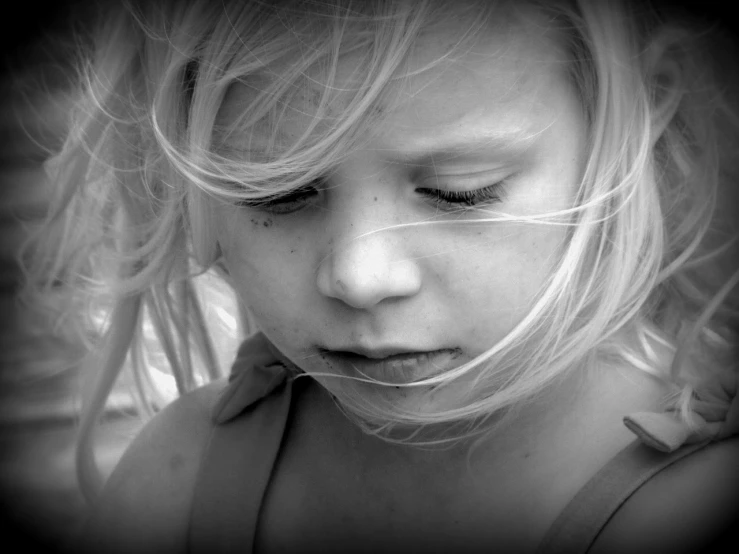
(688, 507)
(145, 504)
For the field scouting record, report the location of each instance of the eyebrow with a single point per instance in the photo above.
(509, 143)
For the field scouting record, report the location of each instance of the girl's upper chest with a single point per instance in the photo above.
(358, 515)
(336, 489)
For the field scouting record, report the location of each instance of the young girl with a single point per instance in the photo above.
(484, 251)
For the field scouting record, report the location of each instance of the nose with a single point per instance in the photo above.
(363, 270)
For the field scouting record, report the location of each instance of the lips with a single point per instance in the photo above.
(393, 366)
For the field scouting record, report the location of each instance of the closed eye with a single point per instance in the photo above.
(297, 199)
(490, 194)
(289, 202)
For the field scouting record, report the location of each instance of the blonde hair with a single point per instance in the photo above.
(649, 252)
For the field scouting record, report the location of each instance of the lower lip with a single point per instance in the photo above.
(397, 369)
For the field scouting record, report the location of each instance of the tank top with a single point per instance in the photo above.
(249, 422)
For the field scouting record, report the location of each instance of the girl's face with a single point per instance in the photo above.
(339, 290)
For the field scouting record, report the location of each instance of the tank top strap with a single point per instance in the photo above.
(249, 422)
(662, 439)
(576, 528)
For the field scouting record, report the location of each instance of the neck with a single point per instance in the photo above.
(582, 410)
(522, 472)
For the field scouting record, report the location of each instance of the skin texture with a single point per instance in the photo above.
(333, 274)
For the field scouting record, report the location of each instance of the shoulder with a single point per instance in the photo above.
(145, 504)
(687, 507)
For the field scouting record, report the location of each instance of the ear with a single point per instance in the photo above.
(664, 73)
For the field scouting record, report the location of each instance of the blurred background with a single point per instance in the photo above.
(40, 505)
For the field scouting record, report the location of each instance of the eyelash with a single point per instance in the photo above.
(465, 198)
(297, 199)
(283, 204)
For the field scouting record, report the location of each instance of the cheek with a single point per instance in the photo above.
(511, 256)
(496, 283)
(532, 258)
(269, 270)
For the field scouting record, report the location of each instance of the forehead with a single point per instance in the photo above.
(508, 78)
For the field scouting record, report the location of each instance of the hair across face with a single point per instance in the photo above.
(426, 243)
(529, 129)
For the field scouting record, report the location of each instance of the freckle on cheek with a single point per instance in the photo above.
(268, 222)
